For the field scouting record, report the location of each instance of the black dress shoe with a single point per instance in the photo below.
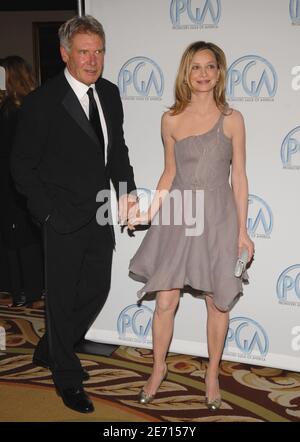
(19, 301)
(41, 363)
(76, 399)
(23, 301)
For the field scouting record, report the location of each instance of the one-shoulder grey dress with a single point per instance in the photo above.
(202, 264)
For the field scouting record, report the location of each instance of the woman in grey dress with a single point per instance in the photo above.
(203, 138)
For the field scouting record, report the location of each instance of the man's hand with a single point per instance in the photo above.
(138, 218)
(128, 206)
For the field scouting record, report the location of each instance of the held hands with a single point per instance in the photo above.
(246, 243)
(128, 207)
(130, 214)
(137, 218)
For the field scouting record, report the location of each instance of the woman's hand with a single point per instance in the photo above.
(138, 218)
(245, 243)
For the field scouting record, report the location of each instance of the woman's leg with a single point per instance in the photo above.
(217, 326)
(162, 331)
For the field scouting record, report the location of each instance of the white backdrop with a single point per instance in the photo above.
(145, 40)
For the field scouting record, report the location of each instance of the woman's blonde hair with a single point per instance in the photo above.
(183, 88)
(19, 79)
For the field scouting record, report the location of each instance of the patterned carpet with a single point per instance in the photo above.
(250, 393)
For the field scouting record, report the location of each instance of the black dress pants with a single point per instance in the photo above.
(78, 275)
(26, 272)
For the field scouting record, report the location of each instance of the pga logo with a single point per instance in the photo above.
(141, 77)
(248, 336)
(135, 323)
(288, 284)
(195, 13)
(260, 217)
(251, 77)
(290, 149)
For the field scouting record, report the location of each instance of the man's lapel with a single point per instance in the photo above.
(74, 108)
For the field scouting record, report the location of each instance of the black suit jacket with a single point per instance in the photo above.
(57, 161)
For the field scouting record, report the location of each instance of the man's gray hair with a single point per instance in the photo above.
(79, 25)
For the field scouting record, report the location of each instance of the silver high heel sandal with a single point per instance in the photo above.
(213, 404)
(146, 398)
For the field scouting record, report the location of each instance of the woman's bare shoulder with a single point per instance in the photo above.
(168, 122)
(234, 116)
(168, 117)
(233, 122)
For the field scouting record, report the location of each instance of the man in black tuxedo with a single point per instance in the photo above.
(69, 145)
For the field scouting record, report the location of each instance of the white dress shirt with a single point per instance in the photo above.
(80, 90)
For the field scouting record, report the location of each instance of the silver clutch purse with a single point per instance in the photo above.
(241, 263)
